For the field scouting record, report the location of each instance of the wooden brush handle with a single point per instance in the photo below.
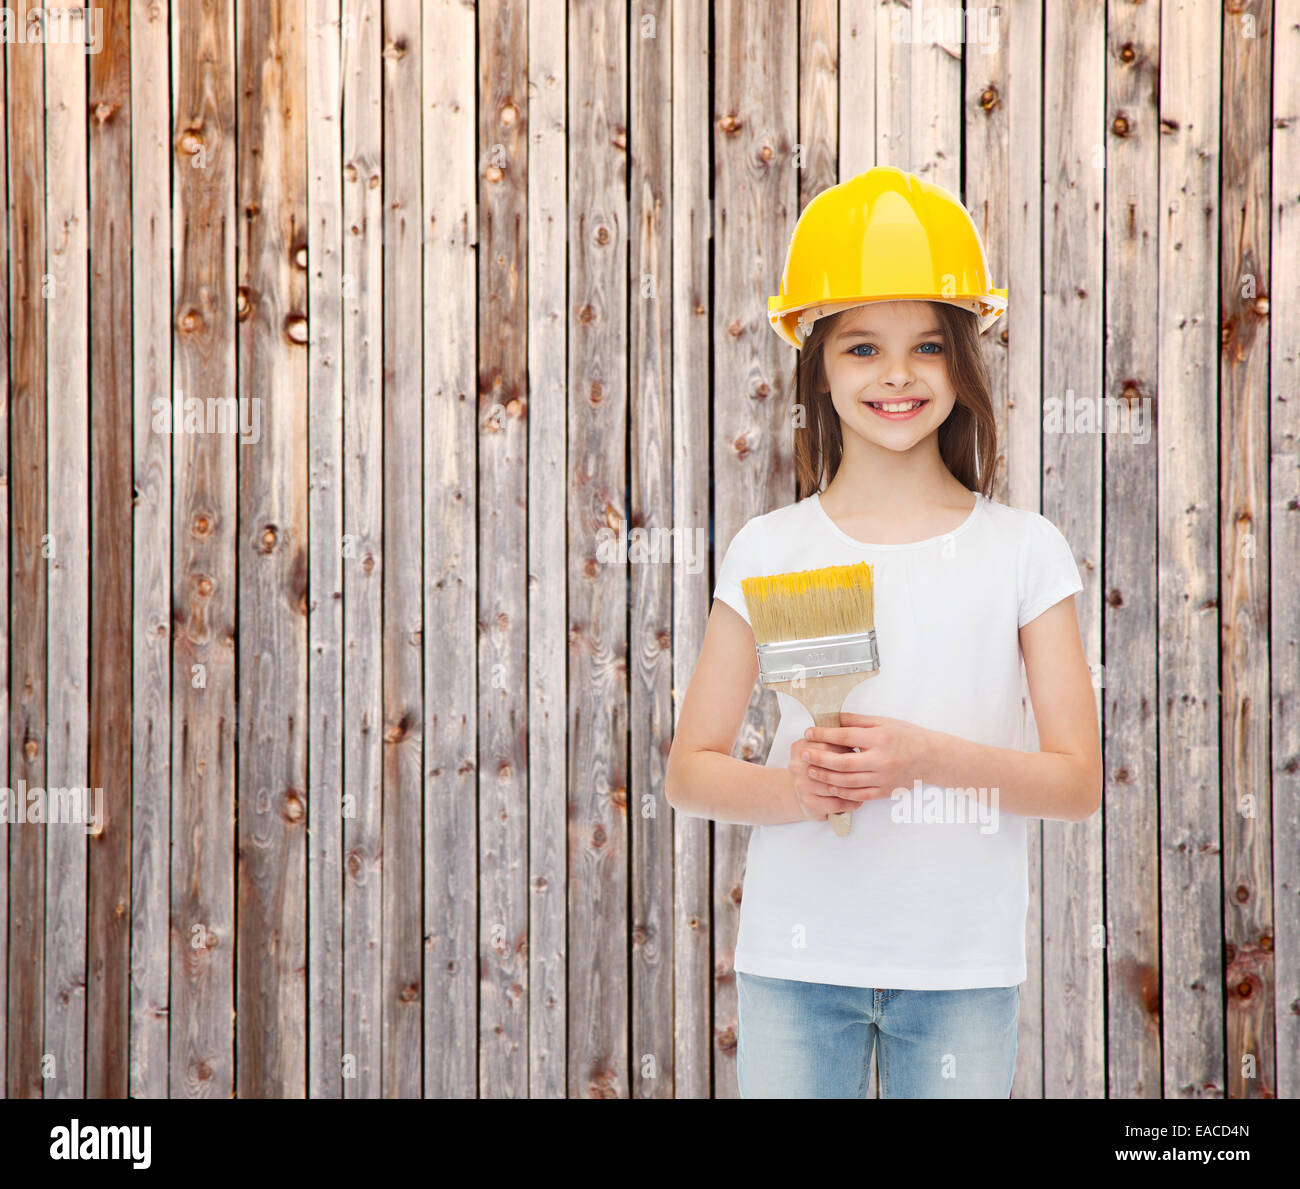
(823, 697)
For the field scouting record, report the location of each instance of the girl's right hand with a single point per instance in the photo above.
(812, 803)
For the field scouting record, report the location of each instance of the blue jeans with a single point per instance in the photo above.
(814, 1040)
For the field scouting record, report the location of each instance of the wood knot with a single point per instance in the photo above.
(729, 124)
(493, 173)
(1126, 52)
(294, 810)
(295, 328)
(1119, 125)
(191, 142)
(268, 539)
(201, 526)
(989, 98)
(243, 307)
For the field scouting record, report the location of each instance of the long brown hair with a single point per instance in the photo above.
(967, 439)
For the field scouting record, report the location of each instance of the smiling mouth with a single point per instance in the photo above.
(896, 410)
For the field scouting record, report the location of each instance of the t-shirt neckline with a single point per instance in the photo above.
(843, 536)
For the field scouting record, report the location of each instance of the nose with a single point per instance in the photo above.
(899, 376)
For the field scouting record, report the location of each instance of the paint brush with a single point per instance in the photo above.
(816, 639)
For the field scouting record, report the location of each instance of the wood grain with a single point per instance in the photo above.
(108, 932)
(1073, 264)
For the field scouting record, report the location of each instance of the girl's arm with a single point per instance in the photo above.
(1062, 780)
(703, 778)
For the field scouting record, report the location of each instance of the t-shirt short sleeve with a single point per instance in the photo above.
(1048, 572)
(737, 563)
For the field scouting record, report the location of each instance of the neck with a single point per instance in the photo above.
(890, 481)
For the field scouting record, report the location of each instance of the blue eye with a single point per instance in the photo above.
(938, 348)
(859, 347)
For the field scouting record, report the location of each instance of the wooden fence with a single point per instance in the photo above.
(343, 340)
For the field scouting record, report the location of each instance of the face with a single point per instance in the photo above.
(888, 374)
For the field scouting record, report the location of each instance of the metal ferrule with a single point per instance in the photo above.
(818, 656)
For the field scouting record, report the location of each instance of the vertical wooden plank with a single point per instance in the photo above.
(272, 269)
(856, 99)
(204, 513)
(547, 566)
(27, 591)
(6, 237)
(1128, 679)
(1284, 542)
(108, 958)
(325, 789)
(818, 144)
(1003, 83)
(502, 606)
(362, 546)
(151, 611)
(754, 115)
(1187, 496)
(598, 1058)
(692, 299)
(1073, 159)
(1023, 30)
(1244, 286)
(649, 558)
(450, 558)
(918, 91)
(67, 316)
(403, 560)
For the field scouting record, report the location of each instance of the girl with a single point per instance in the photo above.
(908, 935)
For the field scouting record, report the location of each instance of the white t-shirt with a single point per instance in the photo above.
(906, 901)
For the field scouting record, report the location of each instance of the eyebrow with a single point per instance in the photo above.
(871, 334)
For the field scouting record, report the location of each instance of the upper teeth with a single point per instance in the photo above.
(898, 406)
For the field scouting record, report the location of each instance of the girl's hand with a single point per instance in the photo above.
(814, 802)
(889, 755)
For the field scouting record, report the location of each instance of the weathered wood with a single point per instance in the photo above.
(403, 575)
(28, 571)
(325, 557)
(67, 315)
(1191, 967)
(1128, 679)
(273, 568)
(1003, 110)
(918, 91)
(819, 99)
(204, 514)
(450, 557)
(108, 934)
(1073, 260)
(856, 99)
(649, 821)
(1247, 804)
(597, 404)
(547, 413)
(151, 619)
(756, 205)
(362, 548)
(691, 297)
(502, 406)
(1284, 547)
(6, 236)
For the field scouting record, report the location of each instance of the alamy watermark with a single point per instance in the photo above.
(54, 26)
(52, 807)
(930, 804)
(652, 546)
(215, 414)
(1110, 414)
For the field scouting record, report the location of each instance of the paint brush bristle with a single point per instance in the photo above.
(832, 601)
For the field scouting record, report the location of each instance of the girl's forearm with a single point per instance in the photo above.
(1030, 783)
(725, 789)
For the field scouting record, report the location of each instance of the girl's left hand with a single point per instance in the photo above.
(890, 755)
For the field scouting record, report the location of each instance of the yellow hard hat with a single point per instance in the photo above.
(885, 235)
